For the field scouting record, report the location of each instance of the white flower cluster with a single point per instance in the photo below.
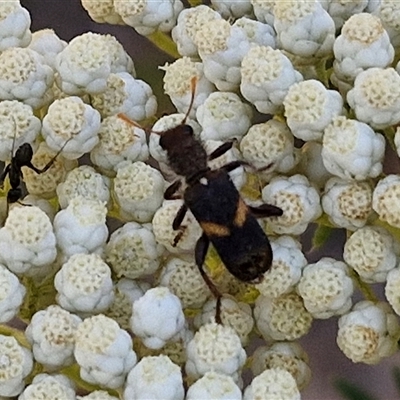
(102, 263)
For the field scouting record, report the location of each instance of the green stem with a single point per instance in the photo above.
(195, 3)
(365, 289)
(164, 43)
(16, 333)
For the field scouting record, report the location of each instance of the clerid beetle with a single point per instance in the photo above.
(227, 222)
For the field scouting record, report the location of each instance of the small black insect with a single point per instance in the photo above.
(227, 222)
(22, 158)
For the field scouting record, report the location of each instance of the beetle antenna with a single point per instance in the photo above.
(193, 84)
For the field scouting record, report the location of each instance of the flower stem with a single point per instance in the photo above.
(164, 43)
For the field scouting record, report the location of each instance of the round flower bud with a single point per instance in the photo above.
(70, 119)
(156, 378)
(267, 75)
(45, 386)
(217, 348)
(51, 333)
(178, 84)
(127, 95)
(132, 251)
(392, 289)
(282, 318)
(182, 240)
(120, 143)
(384, 200)
(299, 201)
(147, 16)
(287, 264)
(347, 204)
(16, 365)
(235, 314)
(213, 385)
(98, 394)
(372, 252)
(223, 116)
(86, 182)
(326, 288)
(368, 333)
(264, 11)
(157, 317)
(81, 227)
(310, 107)
(388, 12)
(86, 63)
(233, 9)
(11, 296)
(139, 191)
(24, 76)
(18, 125)
(342, 11)
(183, 278)
(269, 147)
(292, 23)
(84, 284)
(286, 355)
(103, 352)
(27, 242)
(190, 20)
(352, 150)
(274, 383)
(102, 11)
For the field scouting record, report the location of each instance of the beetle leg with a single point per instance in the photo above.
(171, 190)
(266, 210)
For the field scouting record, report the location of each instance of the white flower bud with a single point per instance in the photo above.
(292, 23)
(267, 75)
(84, 284)
(182, 277)
(384, 200)
(51, 333)
(81, 227)
(352, 150)
(310, 107)
(139, 191)
(177, 84)
(341, 11)
(156, 378)
(45, 184)
(133, 252)
(269, 146)
(102, 11)
(86, 182)
(97, 394)
(16, 365)
(372, 252)
(368, 333)
(214, 386)
(256, 31)
(392, 289)
(45, 386)
(388, 12)
(148, 16)
(286, 355)
(15, 22)
(282, 318)
(127, 95)
(103, 352)
(18, 125)
(299, 201)
(223, 116)
(73, 120)
(362, 44)
(235, 314)
(264, 11)
(375, 97)
(215, 347)
(48, 45)
(24, 76)
(190, 20)
(86, 63)
(232, 9)
(326, 288)
(157, 317)
(120, 143)
(347, 204)
(188, 233)
(27, 242)
(287, 264)
(274, 383)
(12, 295)
(43, 204)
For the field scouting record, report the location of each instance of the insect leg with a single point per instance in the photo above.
(171, 190)
(177, 224)
(4, 174)
(200, 255)
(233, 165)
(220, 150)
(266, 210)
